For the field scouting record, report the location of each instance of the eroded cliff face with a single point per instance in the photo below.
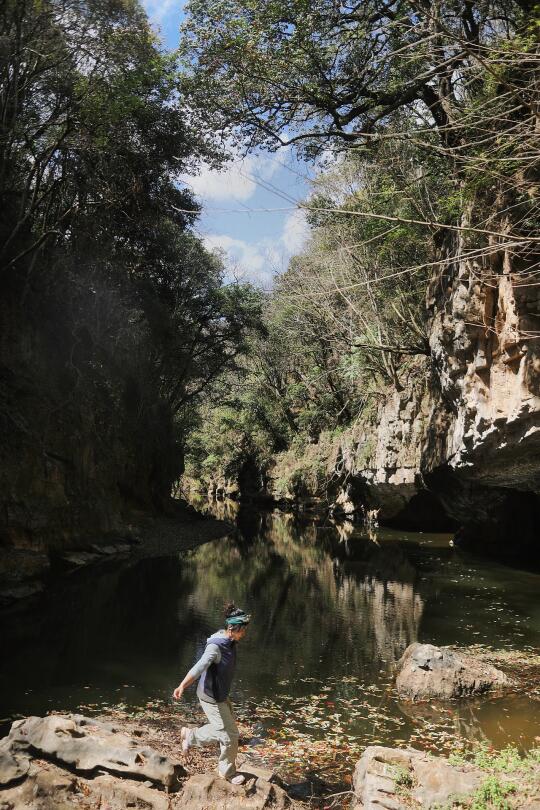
(488, 366)
(470, 435)
(484, 339)
(459, 447)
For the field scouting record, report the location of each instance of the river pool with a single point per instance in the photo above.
(333, 609)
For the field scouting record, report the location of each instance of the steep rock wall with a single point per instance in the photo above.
(81, 438)
(459, 447)
(470, 435)
(485, 346)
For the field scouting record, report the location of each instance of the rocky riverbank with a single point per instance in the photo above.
(133, 758)
(61, 761)
(24, 572)
(400, 779)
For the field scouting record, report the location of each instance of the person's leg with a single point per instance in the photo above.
(221, 728)
(229, 747)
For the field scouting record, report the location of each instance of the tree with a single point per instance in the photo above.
(113, 314)
(320, 71)
(425, 115)
(458, 80)
(91, 136)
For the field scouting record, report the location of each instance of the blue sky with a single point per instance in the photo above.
(239, 204)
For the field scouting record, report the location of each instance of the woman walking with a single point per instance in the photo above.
(215, 671)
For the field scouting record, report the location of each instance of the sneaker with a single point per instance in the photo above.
(186, 735)
(237, 779)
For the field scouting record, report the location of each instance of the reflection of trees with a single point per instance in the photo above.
(226, 509)
(396, 611)
(315, 601)
(381, 581)
(322, 607)
(344, 530)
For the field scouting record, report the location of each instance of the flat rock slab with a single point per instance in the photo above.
(64, 761)
(48, 787)
(79, 558)
(427, 672)
(21, 574)
(95, 552)
(110, 549)
(86, 746)
(396, 779)
(21, 564)
(207, 791)
(18, 592)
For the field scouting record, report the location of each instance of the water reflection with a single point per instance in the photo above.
(114, 618)
(317, 602)
(330, 604)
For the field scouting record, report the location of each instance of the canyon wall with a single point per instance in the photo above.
(459, 446)
(84, 434)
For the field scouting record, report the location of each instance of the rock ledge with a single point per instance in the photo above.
(396, 779)
(63, 761)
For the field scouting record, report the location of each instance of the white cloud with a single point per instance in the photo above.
(295, 232)
(158, 10)
(238, 252)
(247, 261)
(256, 260)
(237, 181)
(224, 185)
(259, 261)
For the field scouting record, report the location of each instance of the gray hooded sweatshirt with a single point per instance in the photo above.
(211, 655)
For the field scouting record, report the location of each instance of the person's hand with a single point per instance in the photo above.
(178, 692)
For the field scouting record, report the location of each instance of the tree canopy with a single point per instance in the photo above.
(321, 71)
(100, 266)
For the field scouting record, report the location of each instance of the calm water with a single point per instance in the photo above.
(333, 609)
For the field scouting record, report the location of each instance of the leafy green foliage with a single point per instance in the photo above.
(132, 316)
(493, 795)
(423, 117)
(344, 324)
(503, 761)
(508, 770)
(322, 72)
(403, 778)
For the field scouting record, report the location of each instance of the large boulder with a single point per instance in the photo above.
(260, 791)
(13, 767)
(87, 746)
(425, 672)
(397, 779)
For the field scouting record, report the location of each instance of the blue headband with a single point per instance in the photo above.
(243, 619)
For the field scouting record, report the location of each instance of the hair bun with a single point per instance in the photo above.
(230, 609)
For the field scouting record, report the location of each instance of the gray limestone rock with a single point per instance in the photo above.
(206, 790)
(86, 745)
(396, 779)
(425, 672)
(79, 558)
(13, 767)
(64, 761)
(48, 787)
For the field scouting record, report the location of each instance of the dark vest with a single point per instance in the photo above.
(218, 677)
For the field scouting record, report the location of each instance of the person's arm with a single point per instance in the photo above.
(210, 656)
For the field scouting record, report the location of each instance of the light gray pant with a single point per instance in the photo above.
(221, 728)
